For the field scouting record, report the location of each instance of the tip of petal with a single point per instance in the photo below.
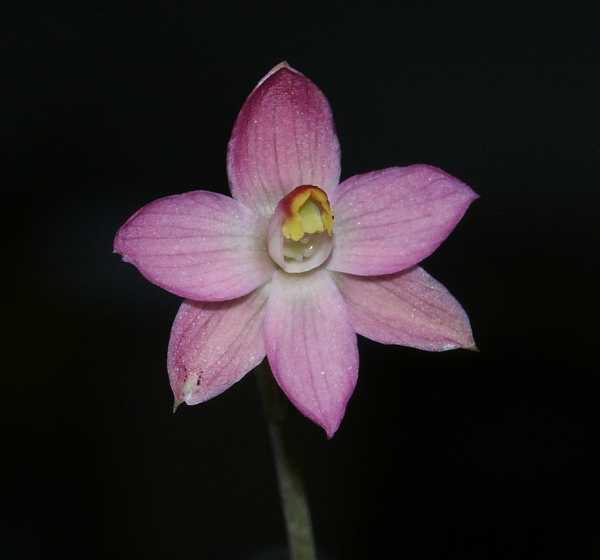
(116, 243)
(332, 425)
(176, 404)
(330, 432)
(281, 66)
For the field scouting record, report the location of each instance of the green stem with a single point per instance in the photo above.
(291, 489)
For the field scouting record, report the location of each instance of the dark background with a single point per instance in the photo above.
(453, 455)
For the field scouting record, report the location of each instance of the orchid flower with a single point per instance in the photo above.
(296, 263)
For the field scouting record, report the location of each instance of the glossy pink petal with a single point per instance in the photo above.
(284, 137)
(311, 345)
(213, 345)
(199, 245)
(389, 220)
(409, 308)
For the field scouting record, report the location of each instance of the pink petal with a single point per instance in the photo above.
(389, 220)
(199, 245)
(409, 308)
(284, 137)
(311, 345)
(213, 345)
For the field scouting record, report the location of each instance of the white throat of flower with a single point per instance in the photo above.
(301, 230)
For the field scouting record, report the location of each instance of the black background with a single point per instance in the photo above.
(454, 455)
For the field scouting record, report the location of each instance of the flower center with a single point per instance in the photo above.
(308, 211)
(302, 229)
(308, 216)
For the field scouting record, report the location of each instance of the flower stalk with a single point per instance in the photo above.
(291, 487)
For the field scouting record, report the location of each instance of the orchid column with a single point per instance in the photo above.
(295, 264)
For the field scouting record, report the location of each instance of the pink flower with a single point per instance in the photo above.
(295, 264)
